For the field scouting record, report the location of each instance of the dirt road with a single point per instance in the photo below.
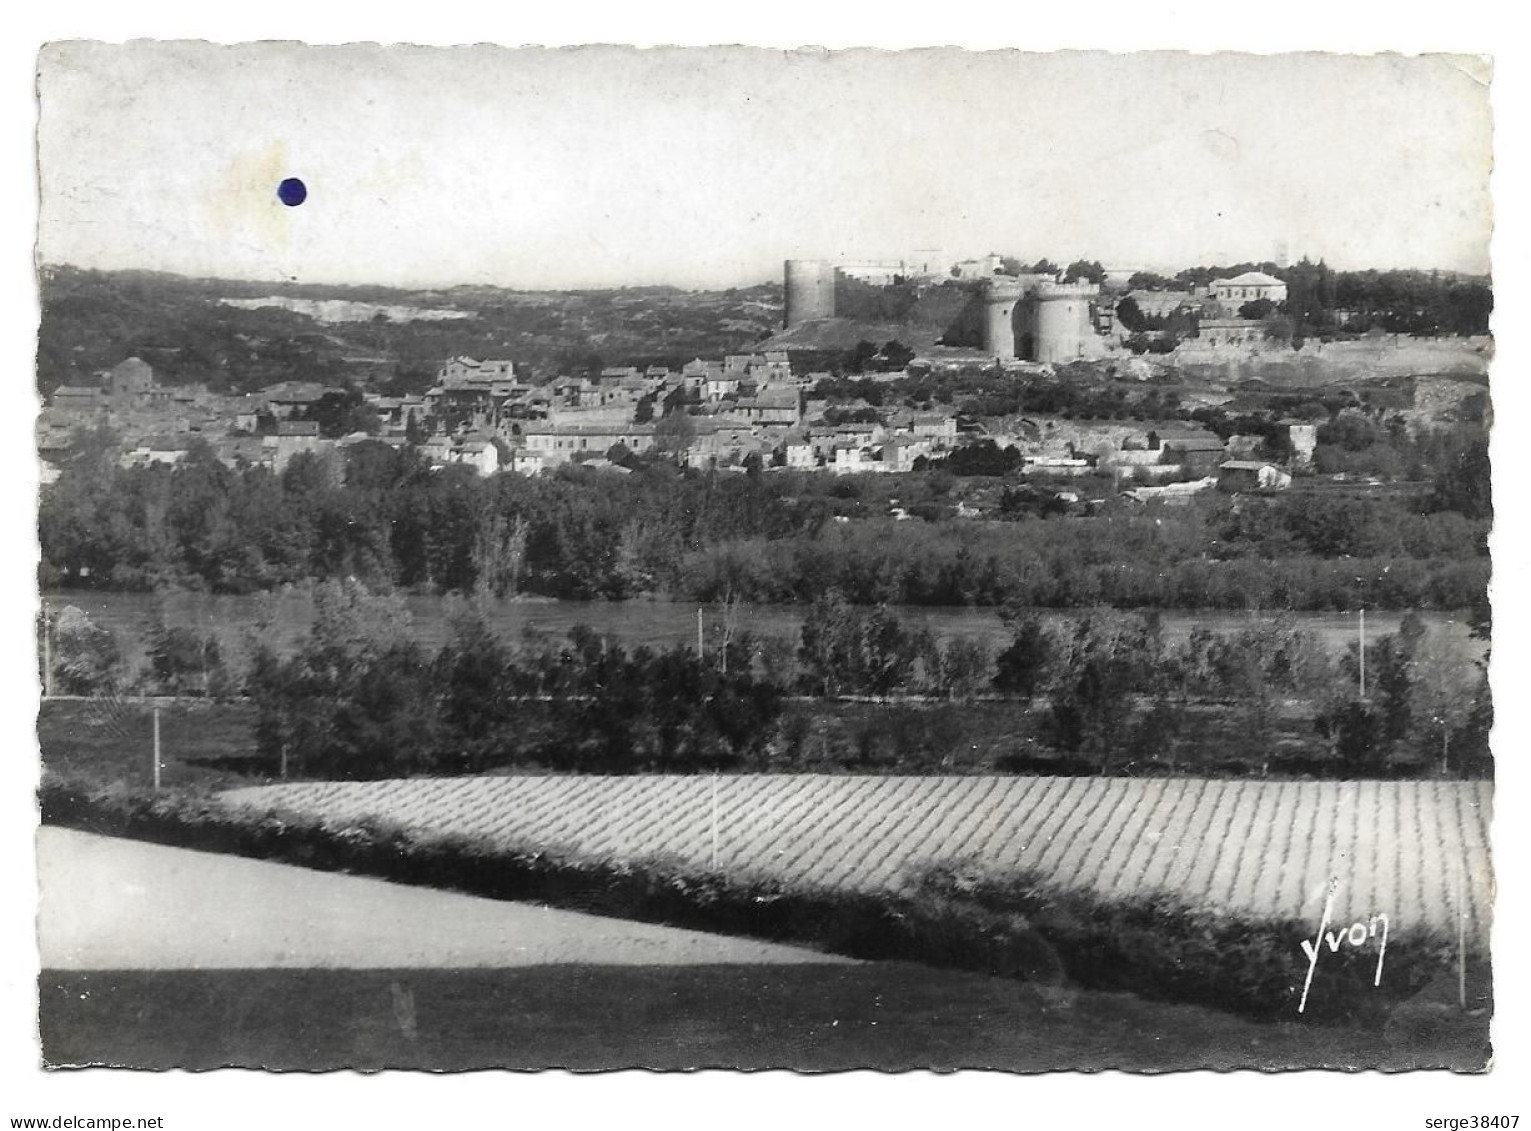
(127, 905)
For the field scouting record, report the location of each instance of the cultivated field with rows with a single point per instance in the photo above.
(1415, 850)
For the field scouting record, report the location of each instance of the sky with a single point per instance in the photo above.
(707, 167)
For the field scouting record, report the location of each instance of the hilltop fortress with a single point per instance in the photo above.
(1021, 317)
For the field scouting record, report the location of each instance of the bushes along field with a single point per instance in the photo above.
(1158, 948)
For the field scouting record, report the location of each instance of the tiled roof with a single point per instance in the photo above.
(589, 430)
(1249, 279)
(295, 391)
(1194, 444)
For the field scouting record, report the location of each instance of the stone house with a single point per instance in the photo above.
(773, 406)
(1195, 450)
(82, 400)
(557, 444)
(800, 454)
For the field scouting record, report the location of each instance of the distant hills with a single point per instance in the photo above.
(187, 331)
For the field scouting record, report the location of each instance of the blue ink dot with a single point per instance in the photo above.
(292, 192)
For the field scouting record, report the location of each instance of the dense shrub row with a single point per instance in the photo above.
(1011, 926)
(1156, 945)
(1074, 563)
(361, 697)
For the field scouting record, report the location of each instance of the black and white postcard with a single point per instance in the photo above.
(722, 558)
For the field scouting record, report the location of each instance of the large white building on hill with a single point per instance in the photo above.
(1248, 287)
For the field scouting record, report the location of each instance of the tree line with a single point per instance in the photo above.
(384, 517)
(360, 697)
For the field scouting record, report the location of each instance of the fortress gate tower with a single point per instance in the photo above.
(1000, 294)
(1055, 322)
(1037, 318)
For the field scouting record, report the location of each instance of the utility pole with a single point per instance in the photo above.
(47, 653)
(156, 748)
(1362, 632)
(699, 632)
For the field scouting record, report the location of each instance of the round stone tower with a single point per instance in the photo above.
(810, 285)
(1055, 324)
(1000, 295)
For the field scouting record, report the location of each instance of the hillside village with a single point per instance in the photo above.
(721, 413)
(1140, 366)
